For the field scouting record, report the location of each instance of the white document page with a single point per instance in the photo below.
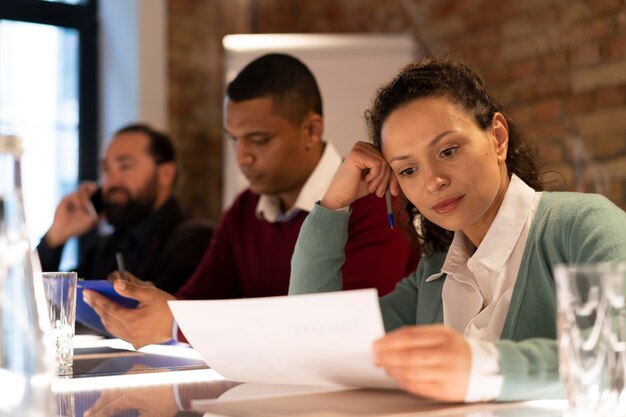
(314, 339)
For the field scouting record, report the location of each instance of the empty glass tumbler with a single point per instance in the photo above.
(60, 289)
(591, 318)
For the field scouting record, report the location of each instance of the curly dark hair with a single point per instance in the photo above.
(449, 78)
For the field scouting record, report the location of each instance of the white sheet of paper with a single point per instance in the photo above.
(314, 339)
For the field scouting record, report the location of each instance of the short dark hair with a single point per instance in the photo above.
(283, 78)
(160, 147)
(450, 78)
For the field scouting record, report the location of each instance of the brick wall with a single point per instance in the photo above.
(195, 66)
(558, 66)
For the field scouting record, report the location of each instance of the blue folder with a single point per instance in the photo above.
(86, 315)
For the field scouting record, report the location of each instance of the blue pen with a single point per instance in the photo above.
(389, 208)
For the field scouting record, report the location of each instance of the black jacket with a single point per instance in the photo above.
(164, 248)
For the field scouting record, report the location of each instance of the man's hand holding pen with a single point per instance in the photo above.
(150, 322)
(121, 267)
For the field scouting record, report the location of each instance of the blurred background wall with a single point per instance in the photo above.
(558, 66)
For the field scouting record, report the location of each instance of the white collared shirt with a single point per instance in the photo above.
(477, 292)
(268, 208)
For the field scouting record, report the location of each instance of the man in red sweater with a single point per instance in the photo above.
(273, 116)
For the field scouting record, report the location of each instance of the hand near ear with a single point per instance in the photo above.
(364, 171)
(74, 216)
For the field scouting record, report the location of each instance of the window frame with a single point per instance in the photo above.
(84, 19)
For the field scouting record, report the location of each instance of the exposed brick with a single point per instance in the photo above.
(609, 146)
(548, 131)
(497, 74)
(516, 28)
(602, 176)
(585, 55)
(546, 17)
(486, 35)
(602, 121)
(453, 25)
(617, 166)
(514, 92)
(525, 67)
(276, 19)
(621, 19)
(533, 45)
(574, 12)
(616, 189)
(555, 61)
(587, 31)
(443, 9)
(533, 55)
(195, 72)
(579, 103)
(610, 97)
(605, 6)
(498, 12)
(550, 109)
(181, 7)
(539, 5)
(607, 74)
(617, 46)
(551, 152)
(546, 85)
(483, 56)
(578, 149)
(522, 115)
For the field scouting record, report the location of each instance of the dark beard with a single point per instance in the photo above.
(123, 216)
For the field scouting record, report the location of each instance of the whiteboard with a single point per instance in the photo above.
(348, 69)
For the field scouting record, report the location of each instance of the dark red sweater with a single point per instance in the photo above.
(249, 257)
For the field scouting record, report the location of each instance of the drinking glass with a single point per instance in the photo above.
(60, 289)
(66, 404)
(591, 323)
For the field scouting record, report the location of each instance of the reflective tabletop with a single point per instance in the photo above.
(112, 379)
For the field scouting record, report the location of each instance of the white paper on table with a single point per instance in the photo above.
(313, 339)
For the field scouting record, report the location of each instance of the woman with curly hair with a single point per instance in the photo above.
(476, 321)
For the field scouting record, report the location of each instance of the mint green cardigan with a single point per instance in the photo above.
(567, 228)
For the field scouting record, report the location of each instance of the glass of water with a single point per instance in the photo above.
(60, 289)
(591, 314)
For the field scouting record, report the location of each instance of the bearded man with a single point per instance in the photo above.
(140, 217)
